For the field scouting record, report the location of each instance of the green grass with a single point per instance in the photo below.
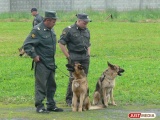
(132, 45)
(145, 15)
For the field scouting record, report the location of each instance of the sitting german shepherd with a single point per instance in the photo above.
(80, 99)
(105, 85)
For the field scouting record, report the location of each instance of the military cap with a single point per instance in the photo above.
(50, 14)
(33, 9)
(84, 17)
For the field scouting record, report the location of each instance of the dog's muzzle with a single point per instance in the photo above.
(120, 71)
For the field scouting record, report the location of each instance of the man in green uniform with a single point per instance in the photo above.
(40, 45)
(37, 18)
(75, 44)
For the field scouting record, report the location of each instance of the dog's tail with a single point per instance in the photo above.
(96, 107)
(96, 98)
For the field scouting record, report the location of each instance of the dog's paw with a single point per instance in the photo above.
(105, 106)
(114, 104)
(95, 103)
(79, 109)
(74, 109)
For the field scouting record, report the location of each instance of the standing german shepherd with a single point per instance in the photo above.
(105, 85)
(80, 99)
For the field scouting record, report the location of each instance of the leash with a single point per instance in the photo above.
(33, 64)
(64, 73)
(32, 67)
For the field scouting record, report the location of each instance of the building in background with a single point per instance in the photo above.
(71, 5)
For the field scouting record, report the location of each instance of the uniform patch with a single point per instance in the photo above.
(33, 35)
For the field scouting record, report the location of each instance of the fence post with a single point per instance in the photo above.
(40, 4)
(9, 6)
(140, 4)
(71, 5)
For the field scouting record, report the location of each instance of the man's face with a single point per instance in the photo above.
(50, 23)
(34, 13)
(82, 24)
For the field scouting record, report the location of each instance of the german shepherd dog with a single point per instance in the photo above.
(22, 52)
(105, 85)
(80, 99)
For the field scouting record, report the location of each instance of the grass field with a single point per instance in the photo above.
(146, 15)
(133, 46)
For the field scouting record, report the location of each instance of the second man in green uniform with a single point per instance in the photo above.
(75, 44)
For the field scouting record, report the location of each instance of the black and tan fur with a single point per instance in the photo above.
(22, 52)
(105, 85)
(80, 99)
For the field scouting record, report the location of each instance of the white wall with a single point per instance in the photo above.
(4, 5)
(80, 5)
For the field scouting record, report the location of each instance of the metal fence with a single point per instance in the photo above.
(69, 5)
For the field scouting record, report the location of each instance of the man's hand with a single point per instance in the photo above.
(68, 59)
(36, 59)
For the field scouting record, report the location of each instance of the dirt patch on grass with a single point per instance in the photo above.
(24, 112)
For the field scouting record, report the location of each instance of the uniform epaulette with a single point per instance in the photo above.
(38, 28)
(69, 26)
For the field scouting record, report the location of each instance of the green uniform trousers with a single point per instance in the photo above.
(45, 86)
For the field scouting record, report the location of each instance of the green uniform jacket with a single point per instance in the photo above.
(76, 39)
(42, 42)
(37, 19)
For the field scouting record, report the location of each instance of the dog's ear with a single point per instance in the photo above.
(110, 65)
(19, 49)
(70, 67)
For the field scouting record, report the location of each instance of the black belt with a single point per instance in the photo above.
(78, 52)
